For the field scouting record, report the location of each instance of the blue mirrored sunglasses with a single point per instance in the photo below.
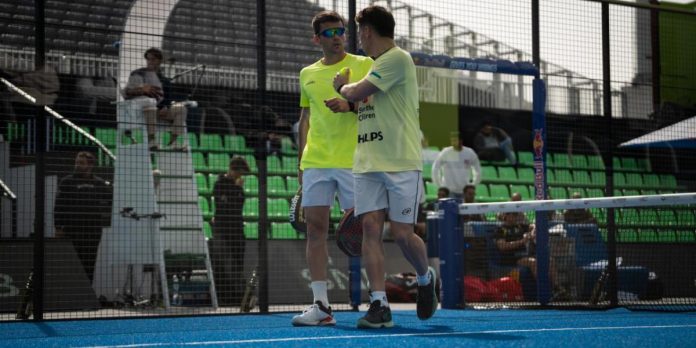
(331, 32)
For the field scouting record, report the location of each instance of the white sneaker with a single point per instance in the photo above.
(314, 315)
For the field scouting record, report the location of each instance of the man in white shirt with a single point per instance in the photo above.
(454, 167)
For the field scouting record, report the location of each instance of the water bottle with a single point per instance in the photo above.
(176, 298)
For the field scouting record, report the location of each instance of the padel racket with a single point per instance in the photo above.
(349, 234)
(296, 215)
(599, 290)
(249, 299)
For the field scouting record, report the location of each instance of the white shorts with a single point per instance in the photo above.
(399, 192)
(320, 186)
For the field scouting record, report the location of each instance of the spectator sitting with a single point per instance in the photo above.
(520, 216)
(454, 166)
(578, 216)
(515, 242)
(469, 197)
(493, 144)
(149, 82)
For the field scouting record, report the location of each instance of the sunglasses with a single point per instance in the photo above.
(331, 32)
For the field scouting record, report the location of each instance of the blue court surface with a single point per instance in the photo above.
(449, 328)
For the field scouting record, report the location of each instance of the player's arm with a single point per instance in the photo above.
(355, 91)
(303, 130)
(341, 105)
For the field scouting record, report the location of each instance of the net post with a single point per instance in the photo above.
(542, 228)
(451, 243)
(355, 281)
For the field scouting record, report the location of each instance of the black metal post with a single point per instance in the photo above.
(655, 56)
(352, 28)
(536, 58)
(261, 153)
(609, 155)
(40, 172)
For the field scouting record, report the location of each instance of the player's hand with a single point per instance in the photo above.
(337, 105)
(239, 181)
(339, 80)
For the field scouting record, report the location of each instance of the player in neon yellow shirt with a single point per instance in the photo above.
(327, 138)
(388, 165)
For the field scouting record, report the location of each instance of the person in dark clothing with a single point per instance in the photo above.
(227, 244)
(469, 195)
(83, 208)
(515, 241)
(578, 216)
(493, 144)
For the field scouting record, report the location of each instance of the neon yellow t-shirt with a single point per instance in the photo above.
(388, 127)
(331, 137)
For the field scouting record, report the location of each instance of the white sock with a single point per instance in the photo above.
(320, 292)
(381, 296)
(423, 279)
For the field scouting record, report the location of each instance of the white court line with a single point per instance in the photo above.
(294, 339)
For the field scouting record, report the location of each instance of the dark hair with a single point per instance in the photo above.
(239, 164)
(326, 17)
(88, 155)
(469, 187)
(155, 52)
(446, 190)
(378, 18)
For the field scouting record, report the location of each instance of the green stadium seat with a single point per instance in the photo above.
(618, 192)
(666, 236)
(579, 161)
(218, 162)
(202, 184)
(107, 136)
(274, 165)
(283, 230)
(598, 178)
(290, 165)
(651, 180)
(251, 185)
(525, 175)
(616, 163)
(204, 206)
(685, 236)
(276, 186)
(582, 177)
(489, 173)
(427, 171)
(212, 179)
(193, 141)
(634, 179)
(620, 179)
(649, 217)
(649, 192)
(251, 209)
(278, 209)
(594, 193)
(558, 192)
(198, 160)
(336, 213)
(643, 164)
(210, 143)
(482, 193)
(667, 218)
(507, 174)
(292, 184)
(525, 157)
(287, 147)
(499, 192)
(251, 230)
(599, 214)
(685, 217)
(522, 189)
(207, 230)
(561, 160)
(624, 235)
(668, 181)
(562, 176)
(251, 161)
(236, 144)
(430, 191)
(647, 235)
(631, 192)
(629, 163)
(595, 162)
